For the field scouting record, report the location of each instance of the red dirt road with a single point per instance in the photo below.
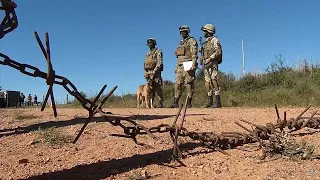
(97, 155)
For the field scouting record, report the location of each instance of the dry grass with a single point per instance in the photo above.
(282, 145)
(53, 136)
(23, 116)
(135, 175)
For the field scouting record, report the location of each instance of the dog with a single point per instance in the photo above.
(145, 95)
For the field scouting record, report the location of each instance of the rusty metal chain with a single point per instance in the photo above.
(224, 140)
(10, 21)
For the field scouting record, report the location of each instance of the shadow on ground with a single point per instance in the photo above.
(75, 121)
(104, 169)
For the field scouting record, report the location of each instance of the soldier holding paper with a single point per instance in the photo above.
(186, 54)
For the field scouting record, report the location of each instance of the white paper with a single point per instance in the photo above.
(187, 65)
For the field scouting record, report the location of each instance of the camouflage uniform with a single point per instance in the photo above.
(186, 51)
(35, 100)
(153, 66)
(212, 56)
(29, 100)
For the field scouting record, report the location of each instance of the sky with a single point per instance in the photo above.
(100, 42)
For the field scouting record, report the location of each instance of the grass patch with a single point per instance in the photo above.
(135, 175)
(53, 136)
(281, 145)
(22, 116)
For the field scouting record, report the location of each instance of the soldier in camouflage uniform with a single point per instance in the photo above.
(212, 56)
(186, 51)
(153, 66)
(29, 100)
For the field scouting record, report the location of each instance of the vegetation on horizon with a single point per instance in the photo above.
(279, 84)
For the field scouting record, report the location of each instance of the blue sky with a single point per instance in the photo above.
(104, 42)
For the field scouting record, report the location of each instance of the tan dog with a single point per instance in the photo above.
(145, 95)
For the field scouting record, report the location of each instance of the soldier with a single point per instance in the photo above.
(35, 100)
(153, 66)
(186, 51)
(29, 100)
(22, 97)
(212, 56)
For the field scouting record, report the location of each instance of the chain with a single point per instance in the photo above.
(10, 21)
(224, 140)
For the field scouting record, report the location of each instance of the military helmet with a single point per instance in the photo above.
(151, 40)
(184, 28)
(209, 28)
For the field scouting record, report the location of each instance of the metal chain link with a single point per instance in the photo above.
(10, 21)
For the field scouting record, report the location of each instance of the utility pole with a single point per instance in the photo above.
(243, 64)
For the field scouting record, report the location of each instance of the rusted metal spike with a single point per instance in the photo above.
(53, 104)
(50, 75)
(147, 131)
(304, 111)
(98, 96)
(285, 115)
(176, 149)
(46, 99)
(82, 129)
(237, 123)
(177, 116)
(104, 99)
(307, 121)
(275, 106)
(262, 128)
(222, 151)
(40, 44)
(184, 113)
(92, 113)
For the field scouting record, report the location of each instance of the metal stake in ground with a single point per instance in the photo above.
(93, 111)
(50, 74)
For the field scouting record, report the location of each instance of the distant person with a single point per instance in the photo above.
(22, 97)
(212, 56)
(153, 65)
(187, 51)
(35, 100)
(29, 100)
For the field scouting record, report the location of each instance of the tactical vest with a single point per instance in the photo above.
(208, 51)
(183, 49)
(151, 60)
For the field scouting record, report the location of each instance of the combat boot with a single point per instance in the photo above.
(174, 104)
(210, 102)
(218, 103)
(189, 105)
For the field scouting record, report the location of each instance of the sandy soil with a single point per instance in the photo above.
(98, 155)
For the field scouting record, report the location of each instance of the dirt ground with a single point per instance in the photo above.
(98, 155)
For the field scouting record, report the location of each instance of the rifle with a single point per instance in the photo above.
(202, 53)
